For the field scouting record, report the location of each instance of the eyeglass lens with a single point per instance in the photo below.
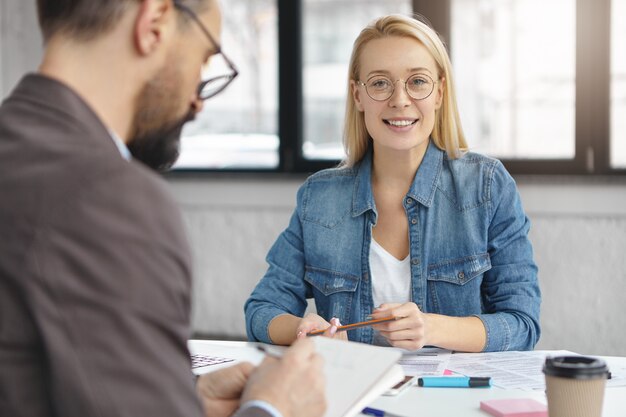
(216, 75)
(209, 88)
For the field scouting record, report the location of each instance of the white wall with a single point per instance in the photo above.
(20, 42)
(579, 231)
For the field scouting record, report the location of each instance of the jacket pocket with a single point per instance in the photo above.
(461, 270)
(454, 286)
(333, 292)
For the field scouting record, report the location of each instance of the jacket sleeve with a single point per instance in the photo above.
(283, 288)
(510, 290)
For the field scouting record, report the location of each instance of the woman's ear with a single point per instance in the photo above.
(441, 86)
(356, 95)
(153, 18)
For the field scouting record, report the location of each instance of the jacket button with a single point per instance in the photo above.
(461, 275)
(414, 221)
(365, 277)
(409, 201)
(415, 261)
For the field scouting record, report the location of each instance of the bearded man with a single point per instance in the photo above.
(95, 274)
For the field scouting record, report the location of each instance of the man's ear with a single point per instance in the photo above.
(151, 25)
(356, 95)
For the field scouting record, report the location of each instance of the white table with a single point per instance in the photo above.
(432, 402)
(465, 402)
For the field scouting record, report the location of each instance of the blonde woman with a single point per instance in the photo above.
(411, 225)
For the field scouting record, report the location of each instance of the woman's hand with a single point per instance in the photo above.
(410, 331)
(312, 322)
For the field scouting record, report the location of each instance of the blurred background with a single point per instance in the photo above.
(541, 85)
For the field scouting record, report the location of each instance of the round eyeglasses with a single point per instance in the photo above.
(381, 88)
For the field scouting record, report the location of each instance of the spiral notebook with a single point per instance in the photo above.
(356, 373)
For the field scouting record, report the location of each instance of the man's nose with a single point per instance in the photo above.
(197, 103)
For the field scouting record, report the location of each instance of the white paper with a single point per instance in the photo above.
(618, 376)
(509, 370)
(425, 362)
(356, 374)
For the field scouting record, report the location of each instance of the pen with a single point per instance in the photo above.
(355, 325)
(269, 350)
(454, 382)
(369, 411)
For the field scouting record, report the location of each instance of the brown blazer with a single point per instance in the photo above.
(94, 269)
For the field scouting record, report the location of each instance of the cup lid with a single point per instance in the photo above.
(576, 367)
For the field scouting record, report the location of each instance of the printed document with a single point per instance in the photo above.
(425, 361)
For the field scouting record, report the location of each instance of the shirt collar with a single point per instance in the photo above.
(121, 146)
(422, 189)
(425, 182)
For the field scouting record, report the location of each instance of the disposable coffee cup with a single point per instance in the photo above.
(575, 386)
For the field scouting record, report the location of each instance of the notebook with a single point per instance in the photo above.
(356, 373)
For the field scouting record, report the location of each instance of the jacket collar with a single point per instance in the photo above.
(422, 189)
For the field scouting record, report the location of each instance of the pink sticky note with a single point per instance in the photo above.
(515, 407)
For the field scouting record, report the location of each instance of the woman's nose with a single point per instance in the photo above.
(399, 97)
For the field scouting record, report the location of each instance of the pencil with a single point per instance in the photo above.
(355, 325)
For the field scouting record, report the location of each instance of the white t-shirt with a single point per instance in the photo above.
(391, 280)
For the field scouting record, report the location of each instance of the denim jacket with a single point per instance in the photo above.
(469, 251)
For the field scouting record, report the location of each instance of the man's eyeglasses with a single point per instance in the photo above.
(215, 84)
(381, 88)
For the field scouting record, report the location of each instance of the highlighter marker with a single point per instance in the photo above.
(454, 382)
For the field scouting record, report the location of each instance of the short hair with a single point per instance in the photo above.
(85, 19)
(447, 133)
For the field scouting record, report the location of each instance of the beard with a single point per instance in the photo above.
(155, 138)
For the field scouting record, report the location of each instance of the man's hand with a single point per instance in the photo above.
(220, 391)
(294, 384)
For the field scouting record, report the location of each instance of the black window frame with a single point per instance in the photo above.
(592, 113)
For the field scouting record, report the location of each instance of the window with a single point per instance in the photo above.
(329, 29)
(515, 76)
(541, 84)
(555, 106)
(618, 84)
(307, 42)
(238, 129)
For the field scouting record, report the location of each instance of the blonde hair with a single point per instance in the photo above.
(447, 133)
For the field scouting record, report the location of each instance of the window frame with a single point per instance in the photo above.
(592, 114)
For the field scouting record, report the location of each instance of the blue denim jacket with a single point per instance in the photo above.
(469, 251)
